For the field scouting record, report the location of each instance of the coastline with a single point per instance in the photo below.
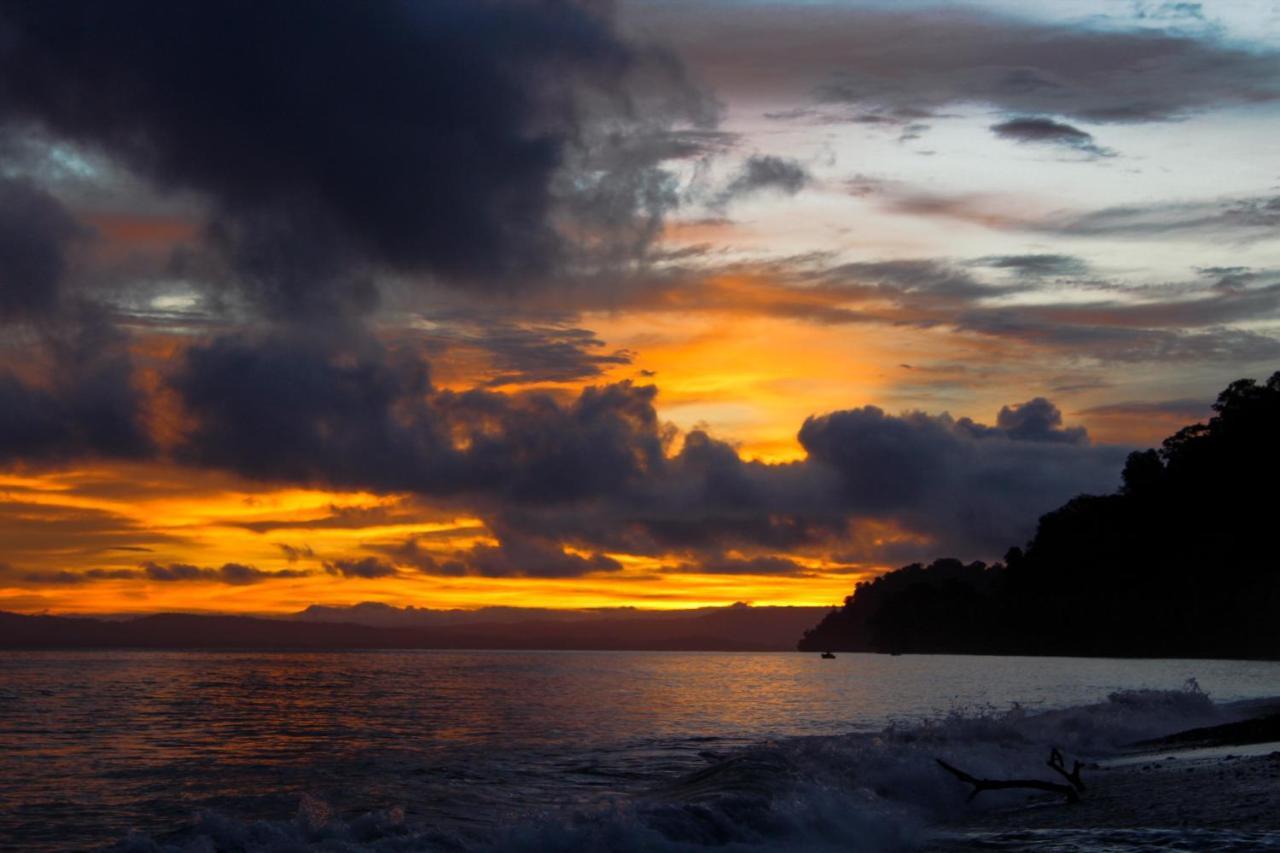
(1214, 787)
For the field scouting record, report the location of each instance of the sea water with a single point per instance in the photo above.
(460, 751)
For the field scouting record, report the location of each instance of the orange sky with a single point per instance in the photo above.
(116, 517)
(745, 376)
(837, 218)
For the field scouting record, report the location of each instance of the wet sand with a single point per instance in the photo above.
(1211, 788)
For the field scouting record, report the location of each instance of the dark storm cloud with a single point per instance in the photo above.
(88, 405)
(36, 236)
(593, 474)
(74, 392)
(415, 136)
(882, 59)
(290, 410)
(962, 486)
(287, 409)
(1034, 420)
(1046, 131)
(961, 483)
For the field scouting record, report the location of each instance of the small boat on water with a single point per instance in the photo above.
(828, 655)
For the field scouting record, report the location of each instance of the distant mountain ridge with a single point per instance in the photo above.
(378, 614)
(734, 628)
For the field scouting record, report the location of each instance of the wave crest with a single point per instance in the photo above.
(854, 792)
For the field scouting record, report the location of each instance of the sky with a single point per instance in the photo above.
(656, 304)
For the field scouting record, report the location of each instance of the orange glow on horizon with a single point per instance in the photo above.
(157, 514)
(736, 364)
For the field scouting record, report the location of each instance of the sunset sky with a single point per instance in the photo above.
(571, 304)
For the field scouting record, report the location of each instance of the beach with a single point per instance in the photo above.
(1193, 801)
(1213, 787)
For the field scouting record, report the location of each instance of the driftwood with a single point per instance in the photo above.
(1071, 790)
(1059, 764)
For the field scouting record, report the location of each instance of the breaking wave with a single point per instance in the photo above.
(854, 792)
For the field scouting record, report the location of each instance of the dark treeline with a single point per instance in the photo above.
(1182, 561)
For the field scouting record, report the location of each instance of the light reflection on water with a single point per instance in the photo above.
(93, 744)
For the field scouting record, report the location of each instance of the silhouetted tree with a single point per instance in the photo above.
(1181, 561)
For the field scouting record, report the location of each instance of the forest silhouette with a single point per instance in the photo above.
(1182, 561)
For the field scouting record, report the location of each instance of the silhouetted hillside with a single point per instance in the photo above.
(1182, 561)
(736, 628)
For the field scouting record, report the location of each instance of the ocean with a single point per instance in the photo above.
(462, 751)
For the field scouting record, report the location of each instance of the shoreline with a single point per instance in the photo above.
(1215, 787)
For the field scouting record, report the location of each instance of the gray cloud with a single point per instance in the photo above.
(724, 565)
(1037, 129)
(1037, 266)
(517, 554)
(1034, 420)
(765, 173)
(36, 236)
(1242, 218)
(29, 530)
(294, 553)
(66, 578)
(950, 485)
(1169, 10)
(593, 474)
(519, 353)
(437, 146)
(524, 555)
(922, 279)
(233, 574)
(88, 404)
(339, 518)
(882, 59)
(295, 410)
(1200, 318)
(1188, 410)
(367, 568)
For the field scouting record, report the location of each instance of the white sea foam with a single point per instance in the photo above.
(855, 792)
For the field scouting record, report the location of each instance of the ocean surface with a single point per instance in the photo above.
(461, 751)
